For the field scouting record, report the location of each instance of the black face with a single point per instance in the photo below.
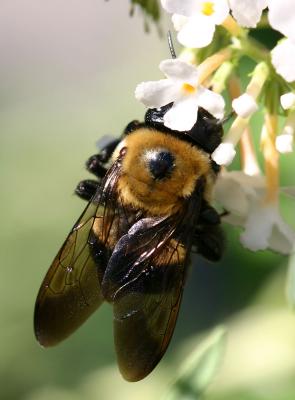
(206, 133)
(160, 163)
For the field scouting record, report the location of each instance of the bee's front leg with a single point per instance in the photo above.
(96, 164)
(86, 189)
(209, 238)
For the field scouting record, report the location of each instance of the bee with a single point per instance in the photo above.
(148, 209)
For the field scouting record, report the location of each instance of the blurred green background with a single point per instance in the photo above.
(67, 75)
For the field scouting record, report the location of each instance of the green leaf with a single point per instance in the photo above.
(199, 368)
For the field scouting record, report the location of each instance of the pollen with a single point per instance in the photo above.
(208, 8)
(188, 89)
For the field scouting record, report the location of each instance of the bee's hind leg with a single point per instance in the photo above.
(209, 238)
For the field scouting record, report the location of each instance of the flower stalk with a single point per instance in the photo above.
(212, 63)
(232, 27)
(259, 77)
(221, 77)
(249, 161)
(271, 157)
(246, 107)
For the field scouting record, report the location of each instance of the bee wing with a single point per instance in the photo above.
(144, 279)
(71, 290)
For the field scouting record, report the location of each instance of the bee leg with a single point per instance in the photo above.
(132, 126)
(208, 215)
(209, 241)
(209, 238)
(96, 164)
(86, 189)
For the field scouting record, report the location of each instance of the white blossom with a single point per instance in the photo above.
(263, 226)
(244, 105)
(288, 100)
(284, 142)
(282, 17)
(224, 154)
(283, 59)
(181, 87)
(196, 19)
(247, 13)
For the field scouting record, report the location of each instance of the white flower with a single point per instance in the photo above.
(284, 142)
(224, 154)
(265, 228)
(283, 59)
(241, 187)
(181, 87)
(241, 195)
(287, 100)
(198, 26)
(244, 105)
(282, 17)
(247, 13)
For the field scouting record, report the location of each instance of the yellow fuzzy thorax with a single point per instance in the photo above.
(137, 187)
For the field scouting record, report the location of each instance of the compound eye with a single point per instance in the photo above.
(160, 163)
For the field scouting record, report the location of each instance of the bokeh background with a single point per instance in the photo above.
(67, 76)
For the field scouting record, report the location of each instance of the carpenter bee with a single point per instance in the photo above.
(148, 208)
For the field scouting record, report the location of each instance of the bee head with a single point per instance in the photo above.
(206, 133)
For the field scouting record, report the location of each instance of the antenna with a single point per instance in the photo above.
(170, 44)
(226, 118)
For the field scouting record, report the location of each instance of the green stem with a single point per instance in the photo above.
(251, 48)
(221, 76)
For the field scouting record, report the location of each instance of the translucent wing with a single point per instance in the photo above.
(144, 279)
(71, 291)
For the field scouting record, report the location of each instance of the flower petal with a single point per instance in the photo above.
(224, 154)
(156, 94)
(282, 238)
(197, 32)
(283, 59)
(247, 13)
(258, 226)
(237, 202)
(287, 100)
(178, 21)
(281, 17)
(179, 70)
(212, 102)
(183, 7)
(284, 143)
(183, 114)
(221, 11)
(241, 187)
(265, 228)
(244, 105)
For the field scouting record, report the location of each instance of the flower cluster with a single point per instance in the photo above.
(199, 77)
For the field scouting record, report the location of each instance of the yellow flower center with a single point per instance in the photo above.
(188, 89)
(208, 8)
